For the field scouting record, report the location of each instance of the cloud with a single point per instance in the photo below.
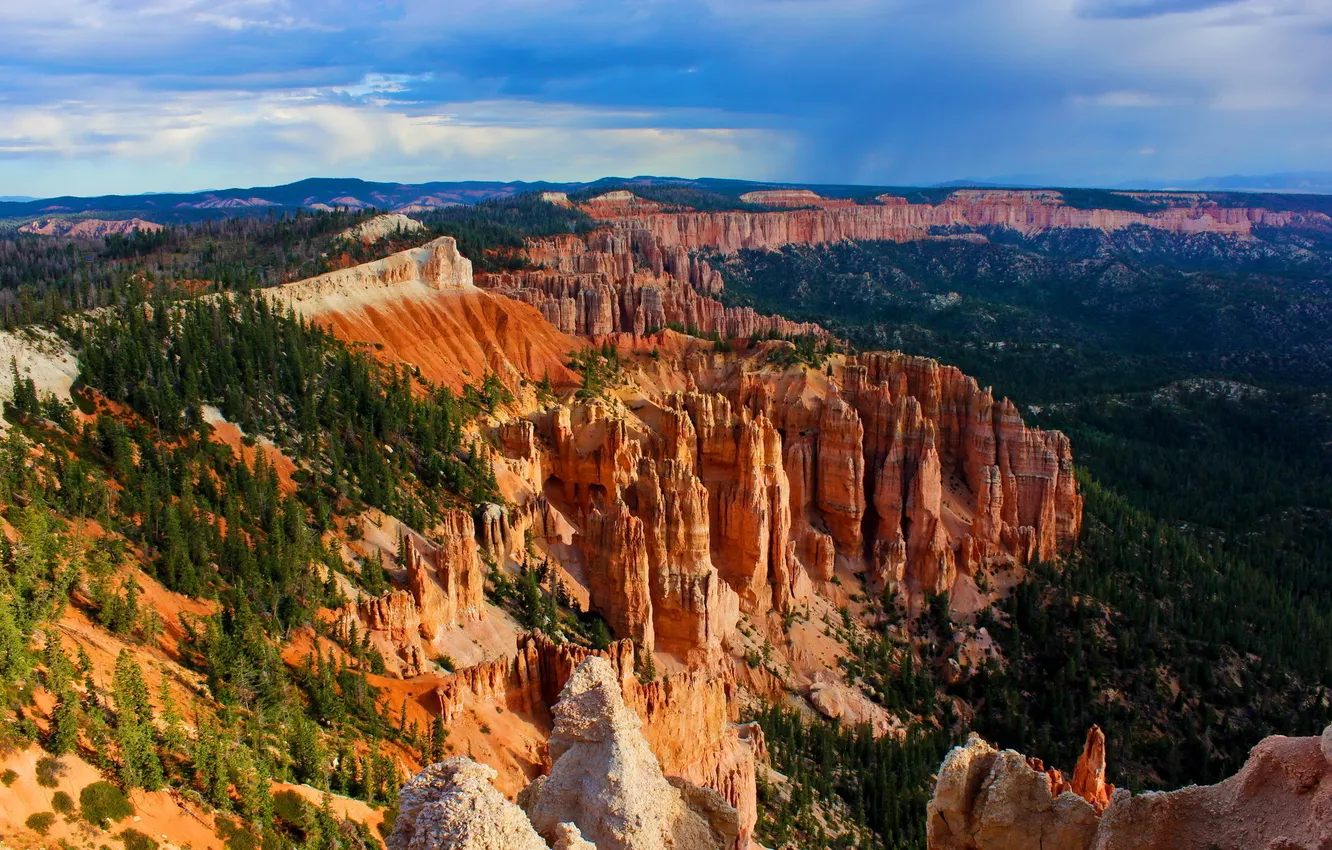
(245, 139)
(1147, 8)
(879, 91)
(1124, 99)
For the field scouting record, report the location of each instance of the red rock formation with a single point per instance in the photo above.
(617, 571)
(693, 610)
(445, 577)
(1089, 774)
(393, 623)
(840, 474)
(445, 590)
(944, 428)
(739, 458)
(623, 282)
(798, 468)
(894, 220)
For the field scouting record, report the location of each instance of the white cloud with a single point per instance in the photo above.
(1124, 99)
(238, 139)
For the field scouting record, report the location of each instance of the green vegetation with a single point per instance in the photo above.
(135, 840)
(43, 278)
(40, 822)
(48, 771)
(1192, 375)
(102, 802)
(878, 787)
(214, 526)
(62, 803)
(601, 370)
(491, 233)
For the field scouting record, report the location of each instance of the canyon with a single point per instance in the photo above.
(702, 505)
(742, 502)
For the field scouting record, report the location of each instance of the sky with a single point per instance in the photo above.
(126, 96)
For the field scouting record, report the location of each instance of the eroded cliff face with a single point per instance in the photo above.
(626, 281)
(990, 800)
(747, 493)
(894, 219)
(445, 589)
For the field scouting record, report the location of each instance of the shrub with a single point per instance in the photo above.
(62, 803)
(386, 825)
(135, 840)
(9, 777)
(40, 822)
(49, 770)
(291, 807)
(101, 802)
(236, 836)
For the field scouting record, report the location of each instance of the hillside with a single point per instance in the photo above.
(292, 512)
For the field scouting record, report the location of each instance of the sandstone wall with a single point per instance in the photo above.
(627, 282)
(893, 219)
(445, 589)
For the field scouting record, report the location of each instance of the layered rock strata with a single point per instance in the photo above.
(894, 219)
(445, 589)
(420, 309)
(609, 283)
(437, 264)
(742, 495)
(990, 800)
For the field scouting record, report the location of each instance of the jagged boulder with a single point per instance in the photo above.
(605, 780)
(989, 800)
(453, 806)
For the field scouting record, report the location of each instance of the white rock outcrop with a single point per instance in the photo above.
(605, 790)
(436, 264)
(607, 782)
(453, 805)
(381, 226)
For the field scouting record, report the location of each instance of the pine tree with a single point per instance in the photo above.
(139, 762)
(64, 736)
(438, 736)
(172, 736)
(14, 658)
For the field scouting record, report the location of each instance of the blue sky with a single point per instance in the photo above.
(147, 95)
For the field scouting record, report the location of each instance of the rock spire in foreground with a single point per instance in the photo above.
(605, 790)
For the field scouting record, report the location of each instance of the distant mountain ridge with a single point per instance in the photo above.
(324, 193)
(1295, 182)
